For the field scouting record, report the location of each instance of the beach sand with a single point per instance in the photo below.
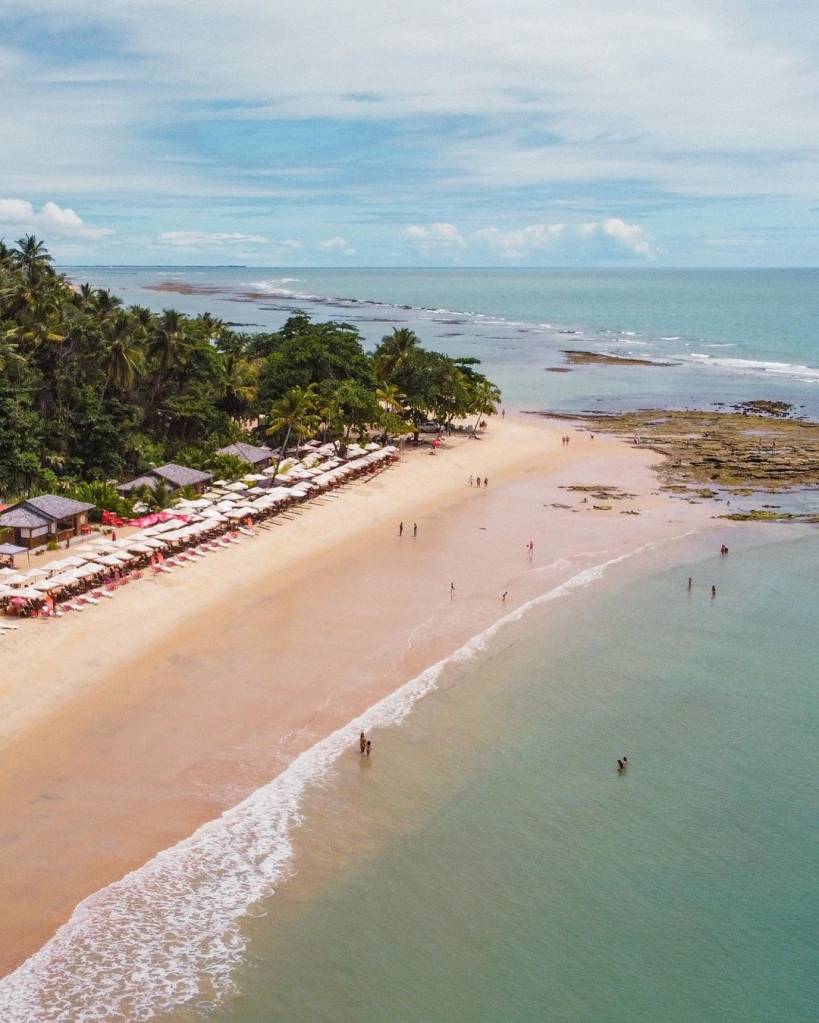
(126, 727)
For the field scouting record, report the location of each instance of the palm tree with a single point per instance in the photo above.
(166, 343)
(294, 412)
(394, 352)
(124, 357)
(105, 303)
(390, 397)
(482, 400)
(240, 383)
(33, 258)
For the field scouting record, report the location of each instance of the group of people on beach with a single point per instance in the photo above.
(564, 440)
(476, 481)
(364, 745)
(401, 528)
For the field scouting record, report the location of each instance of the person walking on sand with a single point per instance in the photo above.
(478, 481)
(415, 529)
(362, 743)
(530, 549)
(400, 528)
(504, 595)
(485, 482)
(451, 590)
(471, 480)
(503, 413)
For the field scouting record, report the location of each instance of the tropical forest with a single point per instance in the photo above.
(93, 392)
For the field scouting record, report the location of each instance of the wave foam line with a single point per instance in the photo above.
(169, 932)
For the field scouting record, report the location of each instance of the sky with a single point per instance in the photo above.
(419, 133)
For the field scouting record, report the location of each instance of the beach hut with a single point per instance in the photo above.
(8, 552)
(174, 476)
(36, 520)
(259, 457)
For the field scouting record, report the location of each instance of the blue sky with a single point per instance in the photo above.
(468, 132)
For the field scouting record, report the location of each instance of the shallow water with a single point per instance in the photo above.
(731, 335)
(489, 863)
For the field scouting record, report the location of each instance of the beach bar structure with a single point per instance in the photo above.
(37, 520)
(259, 457)
(172, 475)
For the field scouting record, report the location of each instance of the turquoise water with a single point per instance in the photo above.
(490, 864)
(729, 334)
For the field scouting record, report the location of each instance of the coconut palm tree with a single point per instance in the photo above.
(124, 356)
(166, 343)
(395, 351)
(33, 258)
(241, 382)
(483, 401)
(295, 413)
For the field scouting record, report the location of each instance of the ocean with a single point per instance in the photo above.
(489, 863)
(730, 335)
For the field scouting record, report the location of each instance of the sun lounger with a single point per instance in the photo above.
(8, 626)
(103, 593)
(73, 607)
(88, 599)
(247, 532)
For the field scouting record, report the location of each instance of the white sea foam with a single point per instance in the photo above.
(796, 371)
(169, 934)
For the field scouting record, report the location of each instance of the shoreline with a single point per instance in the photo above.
(170, 728)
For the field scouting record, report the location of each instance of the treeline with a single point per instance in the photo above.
(91, 390)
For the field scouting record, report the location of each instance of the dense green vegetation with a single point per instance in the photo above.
(91, 391)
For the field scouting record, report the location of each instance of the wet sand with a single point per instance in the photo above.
(125, 728)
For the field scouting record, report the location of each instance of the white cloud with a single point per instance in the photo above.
(523, 243)
(50, 220)
(337, 244)
(205, 239)
(518, 244)
(631, 236)
(439, 233)
(16, 211)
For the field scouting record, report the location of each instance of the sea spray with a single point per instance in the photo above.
(169, 933)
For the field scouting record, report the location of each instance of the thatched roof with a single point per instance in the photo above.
(248, 452)
(181, 475)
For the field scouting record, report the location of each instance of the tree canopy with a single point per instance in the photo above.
(91, 390)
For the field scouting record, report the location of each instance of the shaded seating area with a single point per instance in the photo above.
(257, 457)
(172, 475)
(36, 520)
(191, 530)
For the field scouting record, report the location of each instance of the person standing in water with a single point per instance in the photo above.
(369, 747)
(713, 592)
(362, 742)
(689, 582)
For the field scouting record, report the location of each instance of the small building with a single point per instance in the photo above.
(174, 476)
(37, 520)
(259, 457)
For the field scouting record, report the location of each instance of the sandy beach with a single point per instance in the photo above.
(126, 727)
